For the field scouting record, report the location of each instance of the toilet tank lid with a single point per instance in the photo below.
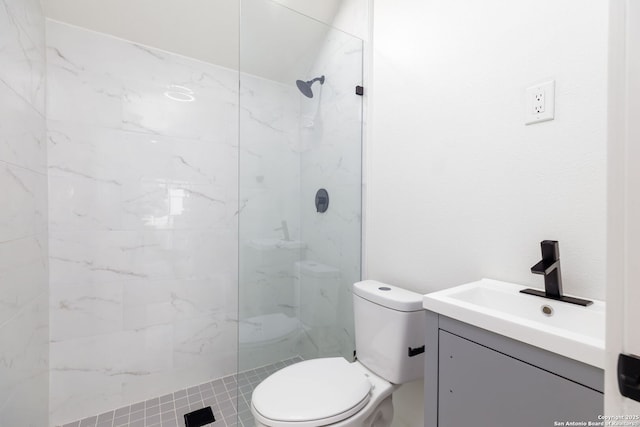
(388, 296)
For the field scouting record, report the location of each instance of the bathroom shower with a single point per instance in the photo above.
(162, 253)
(305, 87)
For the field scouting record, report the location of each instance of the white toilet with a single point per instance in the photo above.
(389, 330)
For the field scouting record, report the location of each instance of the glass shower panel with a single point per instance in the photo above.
(300, 132)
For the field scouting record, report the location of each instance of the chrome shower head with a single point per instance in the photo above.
(305, 87)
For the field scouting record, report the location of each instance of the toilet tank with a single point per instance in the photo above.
(389, 330)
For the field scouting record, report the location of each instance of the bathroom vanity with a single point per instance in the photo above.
(483, 378)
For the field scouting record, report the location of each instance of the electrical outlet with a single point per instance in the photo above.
(539, 103)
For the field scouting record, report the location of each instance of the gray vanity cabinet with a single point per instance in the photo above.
(475, 378)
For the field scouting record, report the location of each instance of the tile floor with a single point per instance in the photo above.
(229, 397)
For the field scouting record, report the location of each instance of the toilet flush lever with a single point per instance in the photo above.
(416, 351)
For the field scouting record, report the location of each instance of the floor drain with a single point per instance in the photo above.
(199, 418)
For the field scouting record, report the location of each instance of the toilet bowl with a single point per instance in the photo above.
(320, 392)
(389, 327)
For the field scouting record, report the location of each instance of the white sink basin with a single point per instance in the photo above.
(572, 331)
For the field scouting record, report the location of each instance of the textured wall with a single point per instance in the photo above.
(24, 316)
(143, 225)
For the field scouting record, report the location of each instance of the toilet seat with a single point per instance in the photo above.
(312, 393)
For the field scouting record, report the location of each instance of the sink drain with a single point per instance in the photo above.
(547, 310)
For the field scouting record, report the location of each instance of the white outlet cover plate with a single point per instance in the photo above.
(549, 89)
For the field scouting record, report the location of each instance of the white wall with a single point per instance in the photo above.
(459, 187)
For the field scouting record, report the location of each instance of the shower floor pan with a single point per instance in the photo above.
(229, 397)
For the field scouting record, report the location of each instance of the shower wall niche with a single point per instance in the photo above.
(297, 265)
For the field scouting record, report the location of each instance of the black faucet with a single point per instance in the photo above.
(549, 267)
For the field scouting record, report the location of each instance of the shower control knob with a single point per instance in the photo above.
(322, 200)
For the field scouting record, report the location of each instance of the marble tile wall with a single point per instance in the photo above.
(24, 317)
(142, 168)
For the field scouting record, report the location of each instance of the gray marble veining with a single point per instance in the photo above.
(24, 312)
